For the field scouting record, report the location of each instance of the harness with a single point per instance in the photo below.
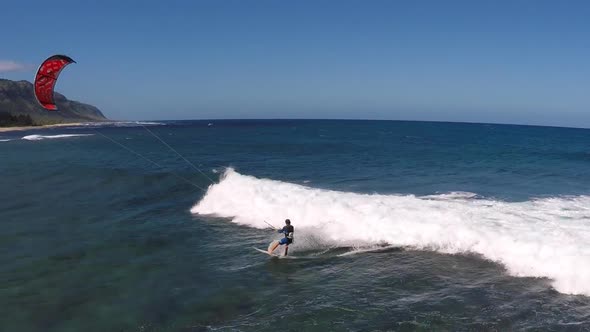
(289, 234)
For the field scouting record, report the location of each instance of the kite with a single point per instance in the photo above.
(46, 78)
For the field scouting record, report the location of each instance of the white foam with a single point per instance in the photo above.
(455, 195)
(537, 238)
(5, 140)
(42, 137)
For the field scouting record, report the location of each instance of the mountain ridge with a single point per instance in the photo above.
(17, 98)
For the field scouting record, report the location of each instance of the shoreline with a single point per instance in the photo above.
(9, 129)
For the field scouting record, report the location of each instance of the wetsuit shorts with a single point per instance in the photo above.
(285, 241)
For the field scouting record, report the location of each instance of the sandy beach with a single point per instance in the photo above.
(7, 129)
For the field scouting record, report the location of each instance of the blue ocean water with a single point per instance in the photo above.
(399, 226)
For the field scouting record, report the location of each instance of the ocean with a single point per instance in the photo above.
(399, 226)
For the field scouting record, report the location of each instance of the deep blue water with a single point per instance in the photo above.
(95, 238)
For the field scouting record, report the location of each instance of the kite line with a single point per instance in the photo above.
(181, 156)
(149, 160)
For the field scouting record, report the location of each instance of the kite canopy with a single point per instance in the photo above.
(46, 77)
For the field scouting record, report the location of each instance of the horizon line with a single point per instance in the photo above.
(353, 119)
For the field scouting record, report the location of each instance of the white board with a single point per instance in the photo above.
(266, 252)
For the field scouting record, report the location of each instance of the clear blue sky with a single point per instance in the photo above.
(482, 61)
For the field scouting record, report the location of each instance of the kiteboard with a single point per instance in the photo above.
(266, 252)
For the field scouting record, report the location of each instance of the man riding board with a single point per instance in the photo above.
(288, 231)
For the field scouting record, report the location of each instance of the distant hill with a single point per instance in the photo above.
(17, 98)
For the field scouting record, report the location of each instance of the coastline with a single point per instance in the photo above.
(9, 129)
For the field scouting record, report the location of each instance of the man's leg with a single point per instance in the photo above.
(275, 244)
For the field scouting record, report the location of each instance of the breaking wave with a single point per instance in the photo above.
(547, 238)
(42, 137)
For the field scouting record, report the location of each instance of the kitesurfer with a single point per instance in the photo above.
(288, 231)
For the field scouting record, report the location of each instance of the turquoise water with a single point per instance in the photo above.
(399, 226)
